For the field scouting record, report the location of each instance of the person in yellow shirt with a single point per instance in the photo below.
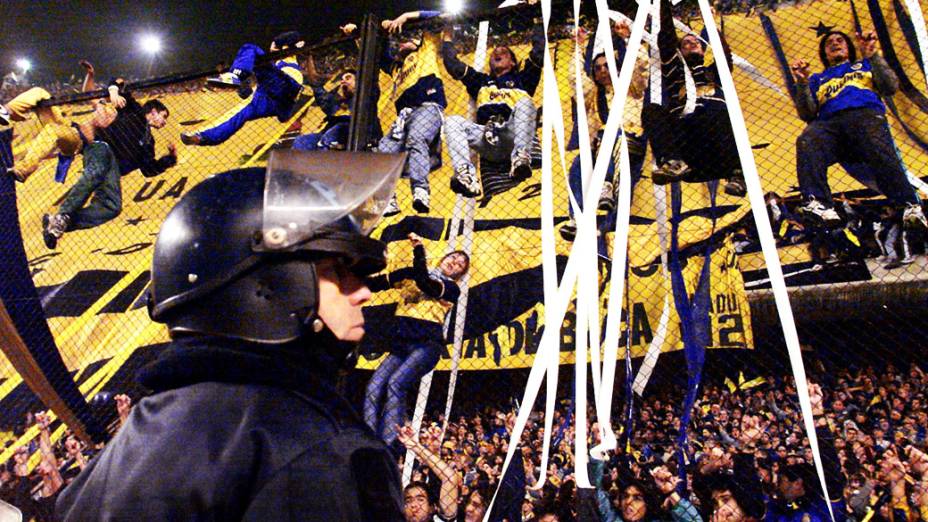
(418, 94)
(426, 297)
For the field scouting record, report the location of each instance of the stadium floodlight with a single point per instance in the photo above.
(24, 64)
(454, 6)
(150, 43)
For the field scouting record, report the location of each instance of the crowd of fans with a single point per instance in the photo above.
(747, 456)
(746, 449)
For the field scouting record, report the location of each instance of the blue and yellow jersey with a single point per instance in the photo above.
(845, 86)
(415, 304)
(291, 67)
(417, 79)
(498, 95)
(425, 297)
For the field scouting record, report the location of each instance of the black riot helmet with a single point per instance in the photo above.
(236, 256)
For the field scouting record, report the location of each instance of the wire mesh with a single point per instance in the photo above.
(705, 406)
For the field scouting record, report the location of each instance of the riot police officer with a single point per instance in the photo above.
(260, 280)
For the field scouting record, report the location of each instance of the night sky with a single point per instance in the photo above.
(55, 35)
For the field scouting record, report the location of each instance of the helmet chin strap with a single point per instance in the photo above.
(343, 354)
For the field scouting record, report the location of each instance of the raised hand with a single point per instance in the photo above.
(406, 436)
(665, 481)
(866, 42)
(123, 405)
(816, 398)
(800, 69)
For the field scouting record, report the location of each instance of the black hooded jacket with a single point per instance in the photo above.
(239, 431)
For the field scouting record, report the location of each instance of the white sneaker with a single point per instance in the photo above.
(521, 165)
(465, 181)
(420, 200)
(393, 208)
(913, 216)
(607, 197)
(815, 210)
(4, 116)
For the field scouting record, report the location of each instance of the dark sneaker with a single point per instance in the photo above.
(393, 208)
(190, 138)
(670, 171)
(420, 200)
(819, 213)
(521, 165)
(465, 181)
(569, 230)
(892, 263)
(607, 197)
(53, 227)
(735, 187)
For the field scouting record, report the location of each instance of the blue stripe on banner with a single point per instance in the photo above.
(889, 53)
(694, 317)
(908, 30)
(774, 38)
(18, 293)
(857, 27)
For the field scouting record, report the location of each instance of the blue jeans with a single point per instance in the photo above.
(419, 130)
(853, 136)
(275, 96)
(463, 135)
(100, 183)
(385, 398)
(335, 136)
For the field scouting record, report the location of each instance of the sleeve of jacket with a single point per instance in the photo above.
(151, 166)
(667, 41)
(531, 70)
(325, 99)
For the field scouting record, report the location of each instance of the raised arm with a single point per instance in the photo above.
(667, 40)
(432, 287)
(450, 479)
(806, 106)
(885, 80)
(449, 55)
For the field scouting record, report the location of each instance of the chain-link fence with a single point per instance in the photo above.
(503, 124)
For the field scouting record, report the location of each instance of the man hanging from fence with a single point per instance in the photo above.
(419, 97)
(690, 132)
(506, 114)
(278, 85)
(847, 123)
(57, 135)
(597, 95)
(335, 104)
(417, 338)
(123, 146)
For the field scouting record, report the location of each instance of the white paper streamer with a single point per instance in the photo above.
(921, 34)
(768, 244)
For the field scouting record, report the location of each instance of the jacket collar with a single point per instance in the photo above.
(298, 366)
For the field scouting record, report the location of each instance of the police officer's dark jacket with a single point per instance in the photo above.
(239, 431)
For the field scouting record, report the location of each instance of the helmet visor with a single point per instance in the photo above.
(305, 191)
